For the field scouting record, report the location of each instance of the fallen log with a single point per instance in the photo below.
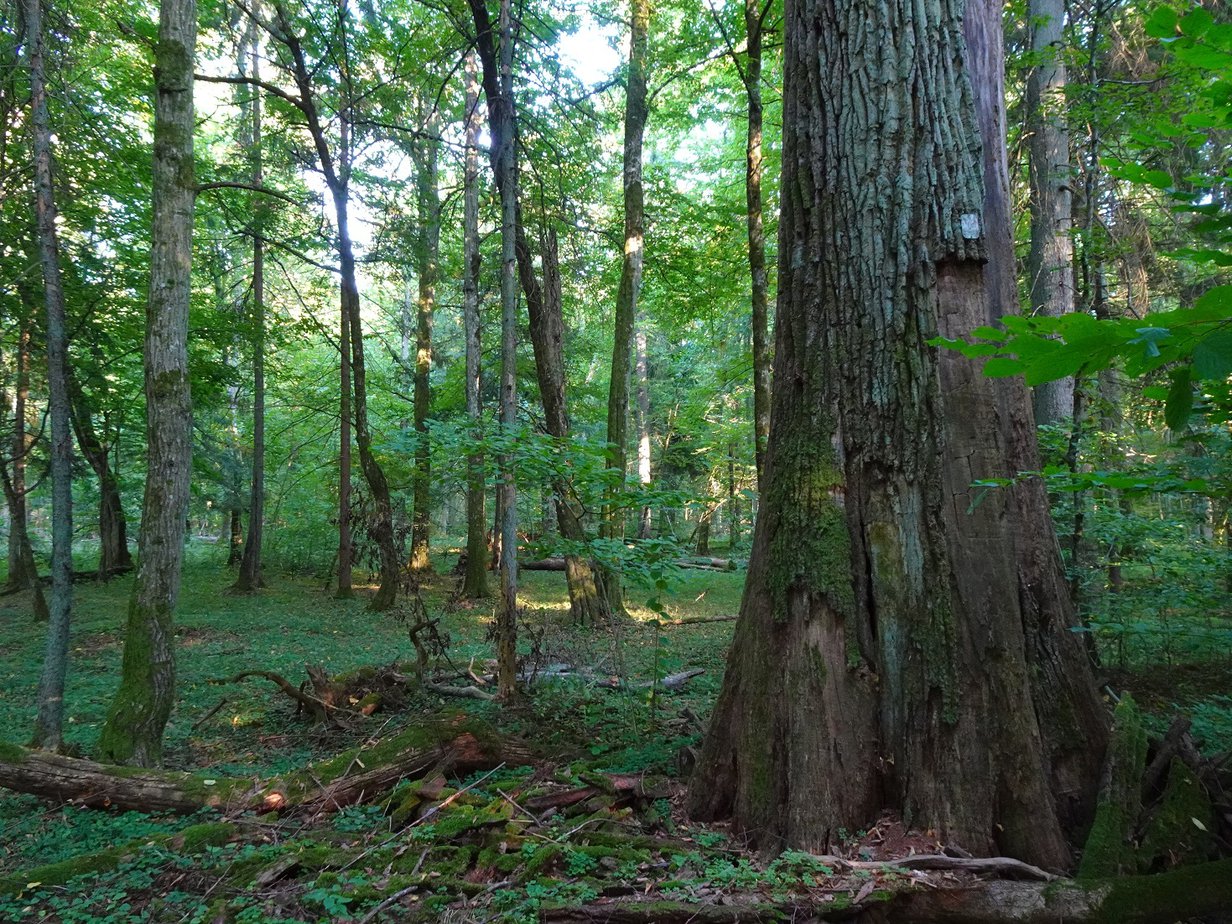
(355, 776)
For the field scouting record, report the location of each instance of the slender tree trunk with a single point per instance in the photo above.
(885, 649)
(427, 253)
(546, 328)
(642, 369)
(503, 120)
(733, 503)
(22, 572)
(250, 577)
(134, 728)
(235, 536)
(587, 605)
(1050, 262)
(113, 555)
(336, 170)
(630, 281)
(346, 551)
(475, 582)
(27, 568)
(754, 19)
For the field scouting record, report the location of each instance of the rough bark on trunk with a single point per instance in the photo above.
(627, 296)
(249, 579)
(134, 728)
(1071, 713)
(1050, 261)
(427, 247)
(880, 658)
(475, 581)
(48, 724)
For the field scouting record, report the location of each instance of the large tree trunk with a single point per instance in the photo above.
(249, 579)
(113, 555)
(475, 581)
(880, 660)
(427, 248)
(48, 725)
(134, 728)
(1050, 261)
(632, 262)
(1072, 717)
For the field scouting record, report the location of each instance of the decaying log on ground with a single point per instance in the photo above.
(622, 788)
(359, 775)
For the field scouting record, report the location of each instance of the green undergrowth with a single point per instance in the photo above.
(470, 847)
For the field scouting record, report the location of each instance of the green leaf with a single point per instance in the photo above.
(1212, 358)
(1197, 22)
(1000, 367)
(1180, 399)
(1216, 298)
(1162, 23)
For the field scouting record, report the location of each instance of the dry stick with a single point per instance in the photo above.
(209, 715)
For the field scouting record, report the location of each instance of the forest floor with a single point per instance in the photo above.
(591, 828)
